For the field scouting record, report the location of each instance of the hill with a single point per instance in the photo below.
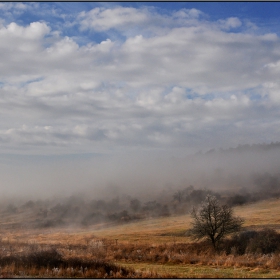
(153, 247)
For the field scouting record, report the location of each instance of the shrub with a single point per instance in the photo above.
(47, 258)
(135, 205)
(11, 209)
(239, 242)
(266, 241)
(238, 199)
(38, 259)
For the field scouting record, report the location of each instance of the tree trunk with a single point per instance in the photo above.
(213, 242)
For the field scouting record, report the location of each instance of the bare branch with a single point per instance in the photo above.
(213, 221)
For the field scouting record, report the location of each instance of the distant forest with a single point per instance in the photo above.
(247, 148)
(76, 210)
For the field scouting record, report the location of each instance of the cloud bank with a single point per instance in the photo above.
(134, 80)
(184, 83)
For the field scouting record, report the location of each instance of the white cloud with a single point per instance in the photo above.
(65, 47)
(230, 23)
(102, 19)
(188, 13)
(34, 31)
(168, 88)
(13, 31)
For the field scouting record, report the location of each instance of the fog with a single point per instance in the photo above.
(139, 174)
(111, 100)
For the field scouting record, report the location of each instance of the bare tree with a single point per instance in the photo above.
(213, 221)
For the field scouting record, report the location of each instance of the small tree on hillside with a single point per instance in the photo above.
(213, 221)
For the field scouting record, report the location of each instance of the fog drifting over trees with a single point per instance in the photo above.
(140, 174)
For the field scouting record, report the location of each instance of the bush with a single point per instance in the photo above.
(47, 258)
(266, 241)
(239, 242)
(238, 199)
(38, 259)
(53, 259)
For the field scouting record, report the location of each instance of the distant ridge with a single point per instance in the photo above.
(245, 148)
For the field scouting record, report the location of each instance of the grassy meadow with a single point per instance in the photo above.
(151, 248)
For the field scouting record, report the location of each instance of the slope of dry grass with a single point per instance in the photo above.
(153, 231)
(170, 229)
(261, 214)
(153, 248)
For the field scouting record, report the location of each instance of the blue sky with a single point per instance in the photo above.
(263, 14)
(84, 80)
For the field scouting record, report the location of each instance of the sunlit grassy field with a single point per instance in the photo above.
(170, 229)
(147, 246)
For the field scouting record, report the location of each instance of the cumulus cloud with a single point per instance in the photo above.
(102, 19)
(230, 23)
(189, 83)
(188, 13)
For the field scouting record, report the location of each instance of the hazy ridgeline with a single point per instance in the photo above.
(136, 188)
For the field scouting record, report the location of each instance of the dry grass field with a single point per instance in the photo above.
(170, 229)
(149, 248)
(261, 214)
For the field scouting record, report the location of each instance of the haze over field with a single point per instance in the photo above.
(112, 96)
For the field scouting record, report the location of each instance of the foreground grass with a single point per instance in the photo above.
(203, 271)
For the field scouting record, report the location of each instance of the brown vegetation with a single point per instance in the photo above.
(155, 247)
(103, 258)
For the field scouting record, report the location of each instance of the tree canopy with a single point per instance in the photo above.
(213, 221)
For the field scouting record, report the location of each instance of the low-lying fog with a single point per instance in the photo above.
(136, 174)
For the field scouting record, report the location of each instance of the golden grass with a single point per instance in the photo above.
(152, 231)
(156, 232)
(170, 229)
(203, 271)
(261, 214)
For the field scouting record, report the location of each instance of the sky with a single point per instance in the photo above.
(90, 88)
